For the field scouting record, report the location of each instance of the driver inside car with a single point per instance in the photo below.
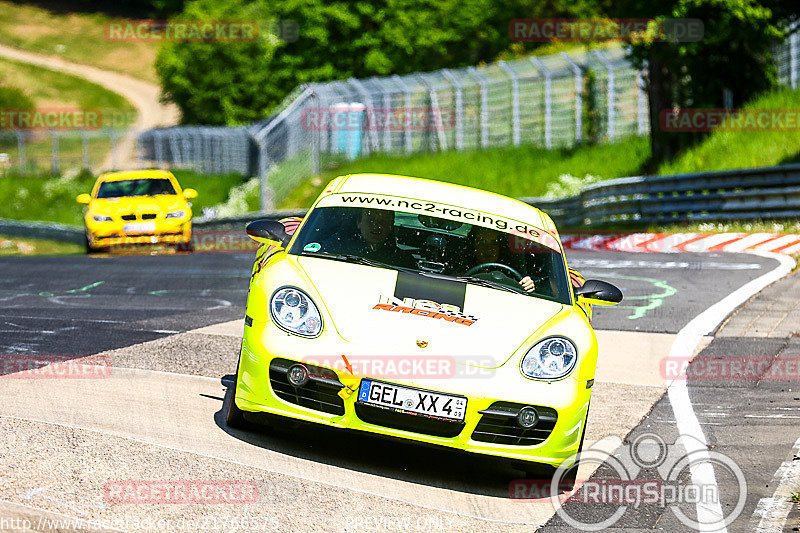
(487, 246)
(375, 239)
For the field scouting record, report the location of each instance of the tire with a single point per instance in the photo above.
(537, 471)
(89, 248)
(234, 417)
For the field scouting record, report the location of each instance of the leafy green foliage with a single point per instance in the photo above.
(734, 54)
(233, 83)
(13, 98)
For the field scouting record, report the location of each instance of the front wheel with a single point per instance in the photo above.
(234, 417)
(89, 248)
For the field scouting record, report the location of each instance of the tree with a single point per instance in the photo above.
(234, 83)
(734, 54)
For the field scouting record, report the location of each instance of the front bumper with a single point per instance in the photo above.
(179, 232)
(567, 400)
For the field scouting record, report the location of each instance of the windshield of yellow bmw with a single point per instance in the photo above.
(141, 187)
(435, 246)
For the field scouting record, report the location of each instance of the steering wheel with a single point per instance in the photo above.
(501, 266)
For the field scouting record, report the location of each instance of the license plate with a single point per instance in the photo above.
(140, 227)
(410, 400)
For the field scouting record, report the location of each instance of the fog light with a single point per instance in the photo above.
(297, 375)
(527, 417)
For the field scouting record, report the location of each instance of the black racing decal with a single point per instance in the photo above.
(419, 287)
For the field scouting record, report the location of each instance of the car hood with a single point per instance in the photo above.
(492, 325)
(136, 204)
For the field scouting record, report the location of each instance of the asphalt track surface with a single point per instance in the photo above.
(80, 306)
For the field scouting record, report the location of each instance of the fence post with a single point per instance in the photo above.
(641, 107)
(158, 150)
(576, 70)
(484, 105)
(459, 94)
(610, 94)
(407, 115)
(369, 131)
(316, 137)
(54, 143)
(114, 155)
(21, 150)
(435, 109)
(85, 148)
(548, 101)
(794, 51)
(515, 133)
(138, 147)
(387, 110)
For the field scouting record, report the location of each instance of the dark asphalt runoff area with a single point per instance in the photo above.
(79, 305)
(749, 414)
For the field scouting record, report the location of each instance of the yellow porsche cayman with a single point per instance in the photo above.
(137, 207)
(423, 311)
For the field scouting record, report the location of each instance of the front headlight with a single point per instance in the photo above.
(293, 311)
(176, 214)
(550, 358)
(102, 218)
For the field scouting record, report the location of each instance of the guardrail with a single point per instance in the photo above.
(748, 194)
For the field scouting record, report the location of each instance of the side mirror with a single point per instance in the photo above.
(598, 292)
(83, 199)
(264, 231)
(189, 194)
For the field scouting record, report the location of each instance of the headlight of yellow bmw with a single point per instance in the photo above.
(549, 359)
(294, 311)
(102, 218)
(176, 214)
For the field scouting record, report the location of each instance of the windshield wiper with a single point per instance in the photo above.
(490, 284)
(357, 259)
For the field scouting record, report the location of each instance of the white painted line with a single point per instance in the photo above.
(771, 512)
(692, 436)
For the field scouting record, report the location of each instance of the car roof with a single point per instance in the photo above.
(446, 193)
(136, 175)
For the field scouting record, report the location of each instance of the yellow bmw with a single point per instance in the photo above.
(137, 207)
(424, 311)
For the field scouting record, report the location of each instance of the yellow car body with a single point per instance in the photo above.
(482, 358)
(137, 207)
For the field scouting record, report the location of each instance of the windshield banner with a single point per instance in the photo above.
(448, 211)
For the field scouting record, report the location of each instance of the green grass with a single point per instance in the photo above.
(52, 199)
(18, 246)
(726, 149)
(520, 171)
(48, 89)
(78, 37)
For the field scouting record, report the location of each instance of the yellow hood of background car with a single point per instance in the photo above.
(350, 293)
(137, 204)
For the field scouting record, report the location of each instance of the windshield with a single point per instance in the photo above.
(441, 247)
(141, 187)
